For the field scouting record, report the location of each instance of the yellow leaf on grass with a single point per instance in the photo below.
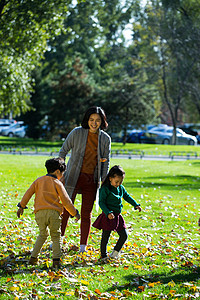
(112, 292)
(155, 296)
(98, 291)
(172, 292)
(84, 282)
(144, 250)
(141, 288)
(151, 284)
(137, 267)
(193, 289)
(171, 283)
(14, 288)
(69, 293)
(30, 284)
(127, 293)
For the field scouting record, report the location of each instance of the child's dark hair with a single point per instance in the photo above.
(94, 110)
(54, 164)
(114, 171)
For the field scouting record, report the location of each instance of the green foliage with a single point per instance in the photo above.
(132, 105)
(169, 51)
(25, 27)
(159, 66)
(87, 65)
(75, 84)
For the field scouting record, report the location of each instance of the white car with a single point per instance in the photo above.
(3, 126)
(163, 135)
(10, 130)
(5, 123)
(20, 132)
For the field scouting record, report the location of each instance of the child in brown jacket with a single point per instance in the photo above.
(50, 199)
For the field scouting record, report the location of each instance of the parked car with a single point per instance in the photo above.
(21, 132)
(7, 121)
(10, 130)
(163, 135)
(3, 126)
(193, 129)
(135, 136)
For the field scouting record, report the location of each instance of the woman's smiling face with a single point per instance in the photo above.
(94, 122)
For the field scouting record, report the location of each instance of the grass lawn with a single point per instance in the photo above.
(160, 259)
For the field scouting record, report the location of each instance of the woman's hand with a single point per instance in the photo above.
(138, 207)
(111, 216)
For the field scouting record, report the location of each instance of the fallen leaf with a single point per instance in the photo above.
(98, 291)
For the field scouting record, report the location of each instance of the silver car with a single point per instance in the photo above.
(3, 126)
(10, 130)
(163, 135)
(20, 132)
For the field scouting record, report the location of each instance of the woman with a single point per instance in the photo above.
(88, 165)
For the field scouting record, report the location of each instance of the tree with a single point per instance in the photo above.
(132, 106)
(94, 36)
(170, 50)
(25, 27)
(72, 95)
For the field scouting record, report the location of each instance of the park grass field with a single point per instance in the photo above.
(160, 259)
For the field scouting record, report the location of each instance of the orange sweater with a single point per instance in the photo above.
(49, 191)
(90, 156)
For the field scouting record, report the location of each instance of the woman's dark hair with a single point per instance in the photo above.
(114, 171)
(54, 164)
(94, 110)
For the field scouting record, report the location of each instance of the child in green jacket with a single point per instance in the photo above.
(110, 201)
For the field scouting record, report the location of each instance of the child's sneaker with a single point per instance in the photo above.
(114, 254)
(104, 260)
(33, 261)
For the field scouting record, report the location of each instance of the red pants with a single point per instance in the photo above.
(87, 187)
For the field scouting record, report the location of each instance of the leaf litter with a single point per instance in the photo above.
(142, 260)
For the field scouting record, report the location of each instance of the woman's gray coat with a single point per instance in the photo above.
(76, 142)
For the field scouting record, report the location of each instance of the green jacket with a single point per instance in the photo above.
(110, 199)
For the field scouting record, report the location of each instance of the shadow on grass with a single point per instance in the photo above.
(19, 263)
(14, 264)
(178, 182)
(185, 275)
